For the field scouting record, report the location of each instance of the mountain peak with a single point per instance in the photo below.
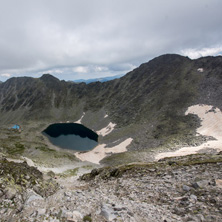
(48, 77)
(168, 58)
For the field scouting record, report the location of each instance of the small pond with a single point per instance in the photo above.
(71, 136)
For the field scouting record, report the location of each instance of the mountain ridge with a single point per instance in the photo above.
(153, 97)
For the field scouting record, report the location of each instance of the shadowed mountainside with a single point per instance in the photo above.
(150, 100)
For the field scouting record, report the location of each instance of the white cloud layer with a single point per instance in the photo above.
(197, 53)
(83, 39)
(6, 74)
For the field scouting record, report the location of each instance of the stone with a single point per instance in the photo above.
(27, 177)
(41, 211)
(202, 183)
(119, 208)
(68, 199)
(74, 216)
(10, 193)
(193, 197)
(64, 212)
(179, 211)
(211, 218)
(186, 188)
(19, 207)
(1, 193)
(3, 211)
(50, 219)
(218, 183)
(33, 196)
(67, 194)
(107, 212)
(195, 185)
(200, 217)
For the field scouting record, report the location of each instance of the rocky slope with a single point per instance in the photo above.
(175, 189)
(20, 184)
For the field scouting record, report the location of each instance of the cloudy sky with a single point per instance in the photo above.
(82, 39)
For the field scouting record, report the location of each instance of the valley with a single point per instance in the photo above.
(158, 156)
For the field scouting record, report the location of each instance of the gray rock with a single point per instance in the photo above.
(212, 218)
(202, 183)
(53, 211)
(68, 199)
(34, 214)
(19, 207)
(74, 216)
(193, 197)
(200, 217)
(62, 212)
(67, 194)
(179, 211)
(27, 177)
(32, 196)
(3, 211)
(119, 208)
(10, 193)
(195, 185)
(53, 220)
(41, 211)
(1, 193)
(186, 188)
(107, 212)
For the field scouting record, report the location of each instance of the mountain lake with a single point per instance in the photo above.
(72, 136)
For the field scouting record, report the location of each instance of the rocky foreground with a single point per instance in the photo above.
(174, 189)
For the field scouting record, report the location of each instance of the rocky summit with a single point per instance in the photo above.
(159, 152)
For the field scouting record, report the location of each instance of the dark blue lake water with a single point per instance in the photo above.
(71, 136)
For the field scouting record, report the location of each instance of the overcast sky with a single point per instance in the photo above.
(81, 39)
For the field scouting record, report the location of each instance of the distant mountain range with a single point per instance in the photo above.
(147, 104)
(102, 79)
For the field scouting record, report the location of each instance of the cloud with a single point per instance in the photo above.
(6, 75)
(196, 53)
(80, 69)
(100, 69)
(78, 36)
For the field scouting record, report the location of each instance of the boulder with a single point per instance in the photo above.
(10, 193)
(107, 212)
(31, 196)
(74, 216)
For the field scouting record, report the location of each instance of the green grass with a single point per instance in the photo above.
(69, 173)
(45, 149)
(87, 218)
(88, 167)
(15, 149)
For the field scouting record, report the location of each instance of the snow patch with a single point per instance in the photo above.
(80, 120)
(211, 125)
(200, 69)
(106, 130)
(100, 152)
